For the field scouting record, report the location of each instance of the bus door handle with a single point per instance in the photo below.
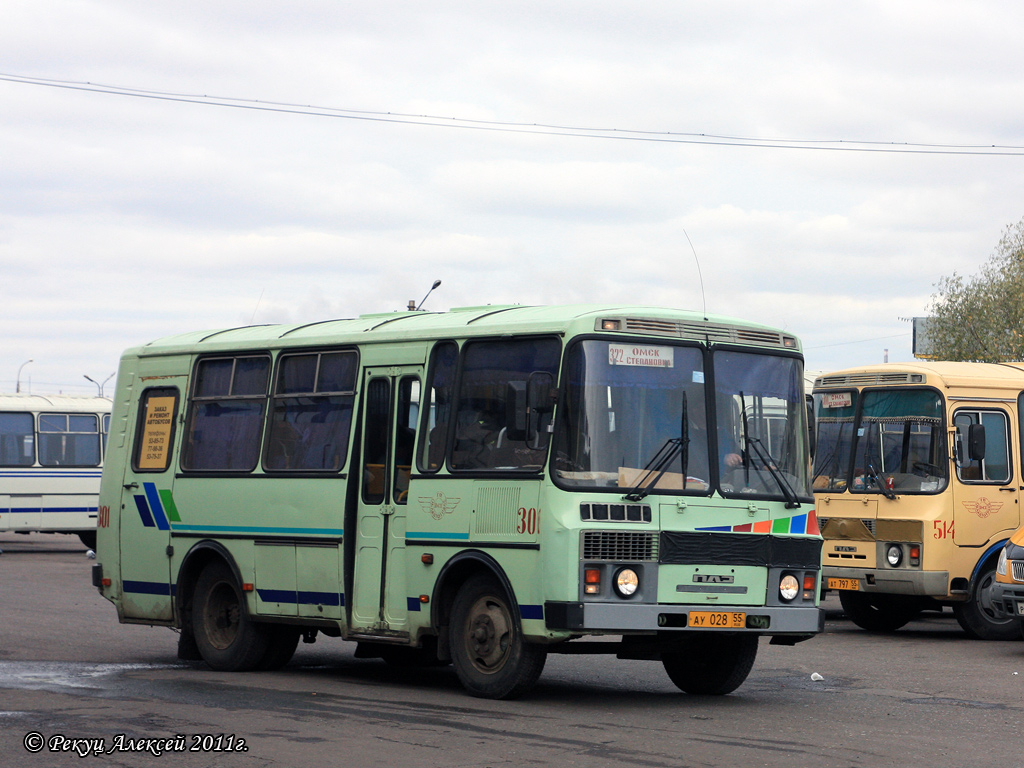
(1010, 490)
(129, 486)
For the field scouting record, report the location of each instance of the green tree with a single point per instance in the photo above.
(982, 318)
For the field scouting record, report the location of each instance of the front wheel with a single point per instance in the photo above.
(488, 651)
(228, 640)
(710, 664)
(978, 618)
(879, 613)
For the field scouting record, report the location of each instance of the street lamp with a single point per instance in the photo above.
(17, 386)
(98, 385)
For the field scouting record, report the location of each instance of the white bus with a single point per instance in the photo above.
(51, 457)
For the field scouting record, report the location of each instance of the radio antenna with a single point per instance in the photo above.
(436, 283)
(703, 298)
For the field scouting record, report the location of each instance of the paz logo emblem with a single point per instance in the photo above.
(983, 507)
(438, 506)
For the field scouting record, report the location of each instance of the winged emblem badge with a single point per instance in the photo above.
(438, 506)
(983, 507)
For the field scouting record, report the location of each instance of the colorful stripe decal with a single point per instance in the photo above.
(143, 506)
(436, 535)
(804, 524)
(156, 507)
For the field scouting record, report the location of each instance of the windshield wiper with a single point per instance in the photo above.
(661, 460)
(792, 500)
(655, 468)
(886, 491)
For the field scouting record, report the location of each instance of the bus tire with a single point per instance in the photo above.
(879, 613)
(490, 656)
(228, 640)
(88, 538)
(282, 641)
(977, 617)
(709, 664)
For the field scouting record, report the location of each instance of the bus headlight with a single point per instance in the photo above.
(894, 555)
(626, 582)
(789, 587)
(1001, 565)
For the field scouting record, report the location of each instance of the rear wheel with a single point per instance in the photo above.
(282, 641)
(879, 613)
(488, 651)
(977, 616)
(228, 640)
(711, 664)
(88, 538)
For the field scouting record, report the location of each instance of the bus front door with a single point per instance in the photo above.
(378, 594)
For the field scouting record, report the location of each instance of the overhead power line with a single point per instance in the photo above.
(547, 129)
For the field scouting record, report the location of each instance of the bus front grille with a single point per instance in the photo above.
(631, 546)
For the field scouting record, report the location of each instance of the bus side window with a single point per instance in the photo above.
(17, 442)
(437, 411)
(154, 434)
(405, 435)
(993, 465)
(482, 438)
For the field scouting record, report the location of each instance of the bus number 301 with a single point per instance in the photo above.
(529, 521)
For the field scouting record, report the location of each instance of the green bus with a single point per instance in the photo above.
(479, 487)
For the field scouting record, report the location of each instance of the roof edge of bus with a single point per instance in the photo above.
(945, 370)
(430, 323)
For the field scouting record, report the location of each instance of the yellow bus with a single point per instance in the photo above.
(1008, 594)
(482, 487)
(917, 481)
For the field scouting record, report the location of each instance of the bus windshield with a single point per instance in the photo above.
(896, 444)
(636, 417)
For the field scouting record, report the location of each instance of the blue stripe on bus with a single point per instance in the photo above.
(144, 513)
(64, 473)
(15, 510)
(257, 529)
(300, 598)
(531, 611)
(435, 535)
(156, 507)
(148, 588)
(798, 524)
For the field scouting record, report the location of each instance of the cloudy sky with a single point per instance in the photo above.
(187, 165)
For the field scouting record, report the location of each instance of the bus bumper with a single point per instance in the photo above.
(618, 618)
(895, 581)
(1008, 601)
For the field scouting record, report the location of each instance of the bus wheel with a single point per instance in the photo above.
(281, 643)
(88, 538)
(977, 616)
(711, 664)
(879, 613)
(228, 639)
(490, 656)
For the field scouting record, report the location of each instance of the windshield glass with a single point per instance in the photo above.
(834, 412)
(899, 443)
(761, 426)
(635, 418)
(624, 404)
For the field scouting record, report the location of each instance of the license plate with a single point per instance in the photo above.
(1020, 609)
(718, 619)
(853, 584)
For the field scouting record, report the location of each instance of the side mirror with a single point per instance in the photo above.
(976, 442)
(516, 410)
